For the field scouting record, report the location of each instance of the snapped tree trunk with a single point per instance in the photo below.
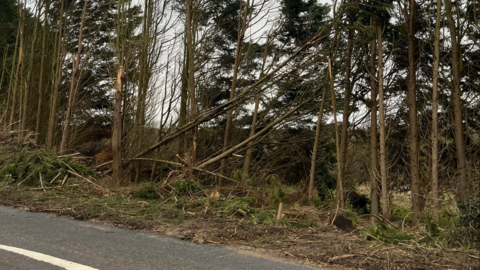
(117, 131)
(457, 66)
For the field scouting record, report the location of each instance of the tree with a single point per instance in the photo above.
(457, 66)
(42, 71)
(383, 136)
(73, 84)
(436, 65)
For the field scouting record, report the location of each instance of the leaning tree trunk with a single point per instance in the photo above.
(73, 85)
(457, 66)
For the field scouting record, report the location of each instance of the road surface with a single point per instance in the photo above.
(46, 242)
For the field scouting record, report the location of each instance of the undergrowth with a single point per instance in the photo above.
(38, 167)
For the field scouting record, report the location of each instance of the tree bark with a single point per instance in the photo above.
(42, 68)
(191, 78)
(117, 131)
(23, 125)
(183, 102)
(417, 198)
(340, 199)
(232, 149)
(7, 107)
(313, 164)
(241, 97)
(16, 86)
(436, 63)
(73, 85)
(457, 66)
(346, 108)
(242, 27)
(383, 152)
(52, 119)
(374, 195)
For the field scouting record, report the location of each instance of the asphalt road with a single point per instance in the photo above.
(46, 242)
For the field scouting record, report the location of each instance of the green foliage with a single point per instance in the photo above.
(303, 19)
(386, 234)
(186, 187)
(352, 216)
(448, 218)
(26, 166)
(231, 206)
(147, 192)
(401, 213)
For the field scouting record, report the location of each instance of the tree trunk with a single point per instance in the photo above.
(73, 85)
(374, 195)
(457, 66)
(16, 86)
(117, 131)
(191, 77)
(242, 27)
(52, 119)
(313, 163)
(23, 125)
(340, 199)
(183, 103)
(436, 62)
(383, 152)
(220, 109)
(412, 115)
(42, 68)
(257, 135)
(346, 109)
(7, 106)
(249, 152)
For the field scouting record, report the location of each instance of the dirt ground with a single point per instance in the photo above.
(322, 246)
